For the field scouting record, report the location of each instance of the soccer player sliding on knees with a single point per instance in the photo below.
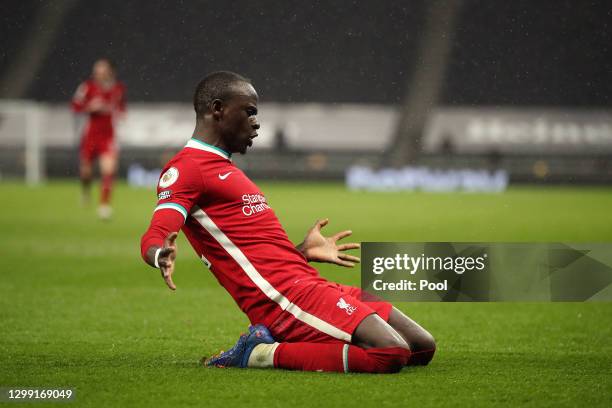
(299, 320)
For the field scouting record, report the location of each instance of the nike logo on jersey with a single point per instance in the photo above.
(224, 176)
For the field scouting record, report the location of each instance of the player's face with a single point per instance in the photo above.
(102, 71)
(239, 125)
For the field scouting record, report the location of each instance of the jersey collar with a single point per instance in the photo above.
(198, 144)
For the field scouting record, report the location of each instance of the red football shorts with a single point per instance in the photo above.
(326, 312)
(94, 145)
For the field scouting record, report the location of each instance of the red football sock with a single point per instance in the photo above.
(421, 357)
(107, 185)
(377, 360)
(340, 358)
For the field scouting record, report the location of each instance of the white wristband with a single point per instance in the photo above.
(157, 257)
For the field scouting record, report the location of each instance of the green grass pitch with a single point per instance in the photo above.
(78, 307)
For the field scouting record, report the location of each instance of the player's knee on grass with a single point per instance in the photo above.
(421, 342)
(423, 349)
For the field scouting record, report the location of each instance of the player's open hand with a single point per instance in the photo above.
(166, 258)
(317, 248)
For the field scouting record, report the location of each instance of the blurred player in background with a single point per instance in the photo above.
(301, 321)
(102, 98)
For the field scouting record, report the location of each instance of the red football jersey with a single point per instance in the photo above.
(99, 123)
(233, 230)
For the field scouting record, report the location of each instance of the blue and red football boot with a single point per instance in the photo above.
(238, 356)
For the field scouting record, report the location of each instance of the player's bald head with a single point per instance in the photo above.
(220, 85)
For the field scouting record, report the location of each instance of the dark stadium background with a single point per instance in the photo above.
(520, 54)
(539, 53)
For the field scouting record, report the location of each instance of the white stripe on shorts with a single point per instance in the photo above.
(262, 283)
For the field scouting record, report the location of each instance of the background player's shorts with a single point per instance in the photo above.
(334, 311)
(95, 145)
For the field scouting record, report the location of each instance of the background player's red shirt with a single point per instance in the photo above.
(232, 228)
(99, 123)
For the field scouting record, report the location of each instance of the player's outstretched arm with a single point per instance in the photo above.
(163, 258)
(317, 248)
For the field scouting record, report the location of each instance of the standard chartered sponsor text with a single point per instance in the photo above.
(253, 204)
